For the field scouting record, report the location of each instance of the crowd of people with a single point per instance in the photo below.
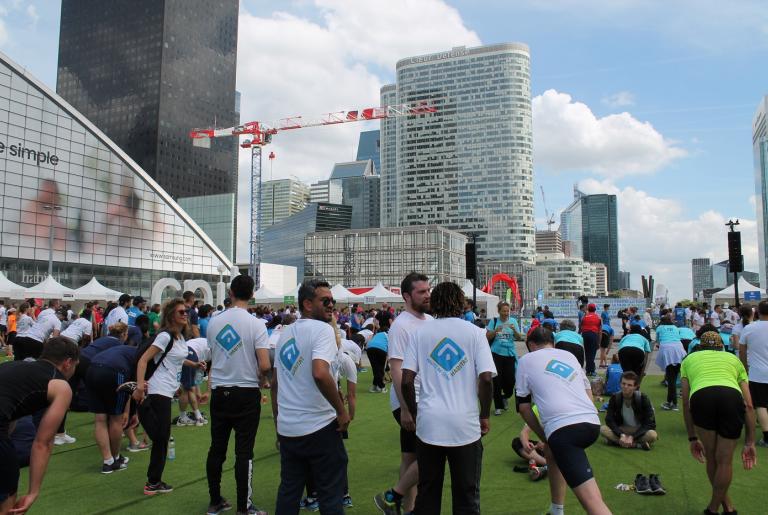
(448, 369)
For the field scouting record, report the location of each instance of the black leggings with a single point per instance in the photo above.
(670, 374)
(378, 359)
(632, 358)
(504, 382)
(155, 416)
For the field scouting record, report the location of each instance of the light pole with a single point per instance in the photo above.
(53, 208)
(735, 258)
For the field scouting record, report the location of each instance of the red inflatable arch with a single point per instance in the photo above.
(510, 281)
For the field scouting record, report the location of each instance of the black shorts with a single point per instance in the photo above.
(574, 348)
(605, 341)
(24, 347)
(568, 446)
(9, 470)
(759, 393)
(632, 358)
(188, 374)
(720, 409)
(102, 383)
(3, 329)
(407, 439)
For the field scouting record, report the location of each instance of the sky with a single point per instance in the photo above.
(649, 100)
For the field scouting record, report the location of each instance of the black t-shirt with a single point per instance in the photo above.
(24, 389)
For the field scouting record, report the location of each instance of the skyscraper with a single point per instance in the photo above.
(600, 237)
(369, 147)
(468, 166)
(760, 153)
(360, 188)
(571, 227)
(282, 198)
(146, 72)
(701, 275)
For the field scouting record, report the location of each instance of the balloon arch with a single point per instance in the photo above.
(510, 281)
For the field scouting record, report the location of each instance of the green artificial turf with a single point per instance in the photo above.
(74, 485)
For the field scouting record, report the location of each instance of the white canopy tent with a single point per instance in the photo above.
(94, 290)
(381, 294)
(9, 289)
(341, 294)
(730, 292)
(266, 296)
(489, 300)
(50, 288)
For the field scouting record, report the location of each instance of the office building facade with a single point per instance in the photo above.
(282, 198)
(61, 176)
(760, 155)
(548, 242)
(282, 243)
(467, 166)
(601, 279)
(326, 191)
(600, 234)
(624, 279)
(216, 215)
(369, 147)
(571, 227)
(567, 277)
(365, 257)
(360, 189)
(701, 275)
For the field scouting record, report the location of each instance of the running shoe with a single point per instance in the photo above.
(537, 473)
(642, 485)
(138, 447)
(655, 483)
(157, 488)
(184, 420)
(498, 412)
(505, 402)
(761, 443)
(63, 439)
(107, 469)
(215, 509)
(373, 389)
(667, 406)
(253, 510)
(122, 459)
(346, 502)
(200, 422)
(385, 502)
(309, 504)
(129, 387)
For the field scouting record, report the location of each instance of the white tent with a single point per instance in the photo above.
(50, 289)
(9, 289)
(266, 296)
(341, 294)
(729, 292)
(381, 294)
(489, 300)
(94, 290)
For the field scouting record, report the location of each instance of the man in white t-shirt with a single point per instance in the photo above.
(79, 331)
(753, 351)
(415, 291)
(29, 344)
(239, 367)
(714, 316)
(118, 313)
(553, 380)
(456, 367)
(306, 405)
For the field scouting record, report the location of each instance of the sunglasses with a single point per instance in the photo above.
(328, 302)
(182, 312)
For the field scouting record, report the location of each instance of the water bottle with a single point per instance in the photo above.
(171, 449)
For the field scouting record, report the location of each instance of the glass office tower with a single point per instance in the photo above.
(468, 166)
(760, 153)
(600, 238)
(369, 147)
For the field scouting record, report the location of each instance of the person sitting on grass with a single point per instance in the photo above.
(613, 376)
(630, 421)
(531, 451)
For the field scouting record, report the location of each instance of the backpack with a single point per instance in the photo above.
(151, 365)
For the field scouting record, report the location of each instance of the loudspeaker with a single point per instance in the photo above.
(735, 259)
(471, 259)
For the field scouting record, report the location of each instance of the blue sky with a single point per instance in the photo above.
(667, 88)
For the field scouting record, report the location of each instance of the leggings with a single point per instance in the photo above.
(378, 359)
(504, 382)
(155, 416)
(670, 374)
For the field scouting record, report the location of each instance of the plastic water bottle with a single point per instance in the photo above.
(171, 449)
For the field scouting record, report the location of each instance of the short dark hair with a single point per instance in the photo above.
(241, 287)
(540, 336)
(447, 300)
(762, 308)
(606, 306)
(123, 299)
(407, 285)
(142, 322)
(308, 288)
(59, 349)
(631, 376)
(189, 295)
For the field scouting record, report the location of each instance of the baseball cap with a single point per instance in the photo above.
(138, 300)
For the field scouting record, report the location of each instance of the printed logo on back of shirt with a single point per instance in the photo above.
(290, 356)
(229, 340)
(448, 356)
(560, 369)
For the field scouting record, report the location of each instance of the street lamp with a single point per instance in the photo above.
(52, 208)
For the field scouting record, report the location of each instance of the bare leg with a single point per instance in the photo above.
(762, 417)
(115, 434)
(409, 478)
(101, 435)
(709, 441)
(723, 474)
(192, 398)
(557, 486)
(590, 498)
(183, 401)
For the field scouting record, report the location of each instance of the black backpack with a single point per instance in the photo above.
(151, 365)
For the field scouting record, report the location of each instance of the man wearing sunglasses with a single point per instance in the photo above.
(310, 414)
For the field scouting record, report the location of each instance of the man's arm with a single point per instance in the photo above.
(743, 355)
(610, 419)
(273, 394)
(351, 398)
(526, 411)
(265, 367)
(60, 395)
(484, 395)
(409, 391)
(321, 373)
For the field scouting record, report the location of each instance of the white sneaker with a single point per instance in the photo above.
(184, 420)
(373, 389)
(498, 412)
(200, 422)
(63, 439)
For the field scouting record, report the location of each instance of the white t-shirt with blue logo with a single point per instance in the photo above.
(399, 337)
(449, 355)
(558, 386)
(165, 380)
(302, 409)
(233, 338)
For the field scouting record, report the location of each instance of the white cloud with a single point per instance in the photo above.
(656, 238)
(290, 65)
(569, 137)
(32, 13)
(620, 99)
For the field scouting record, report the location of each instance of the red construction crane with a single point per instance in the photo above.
(260, 134)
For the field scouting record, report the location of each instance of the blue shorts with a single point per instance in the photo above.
(188, 374)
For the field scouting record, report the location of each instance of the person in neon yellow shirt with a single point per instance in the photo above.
(716, 404)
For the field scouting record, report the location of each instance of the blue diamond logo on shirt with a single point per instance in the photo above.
(289, 355)
(228, 338)
(560, 369)
(448, 355)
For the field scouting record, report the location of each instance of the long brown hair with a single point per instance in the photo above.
(166, 317)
